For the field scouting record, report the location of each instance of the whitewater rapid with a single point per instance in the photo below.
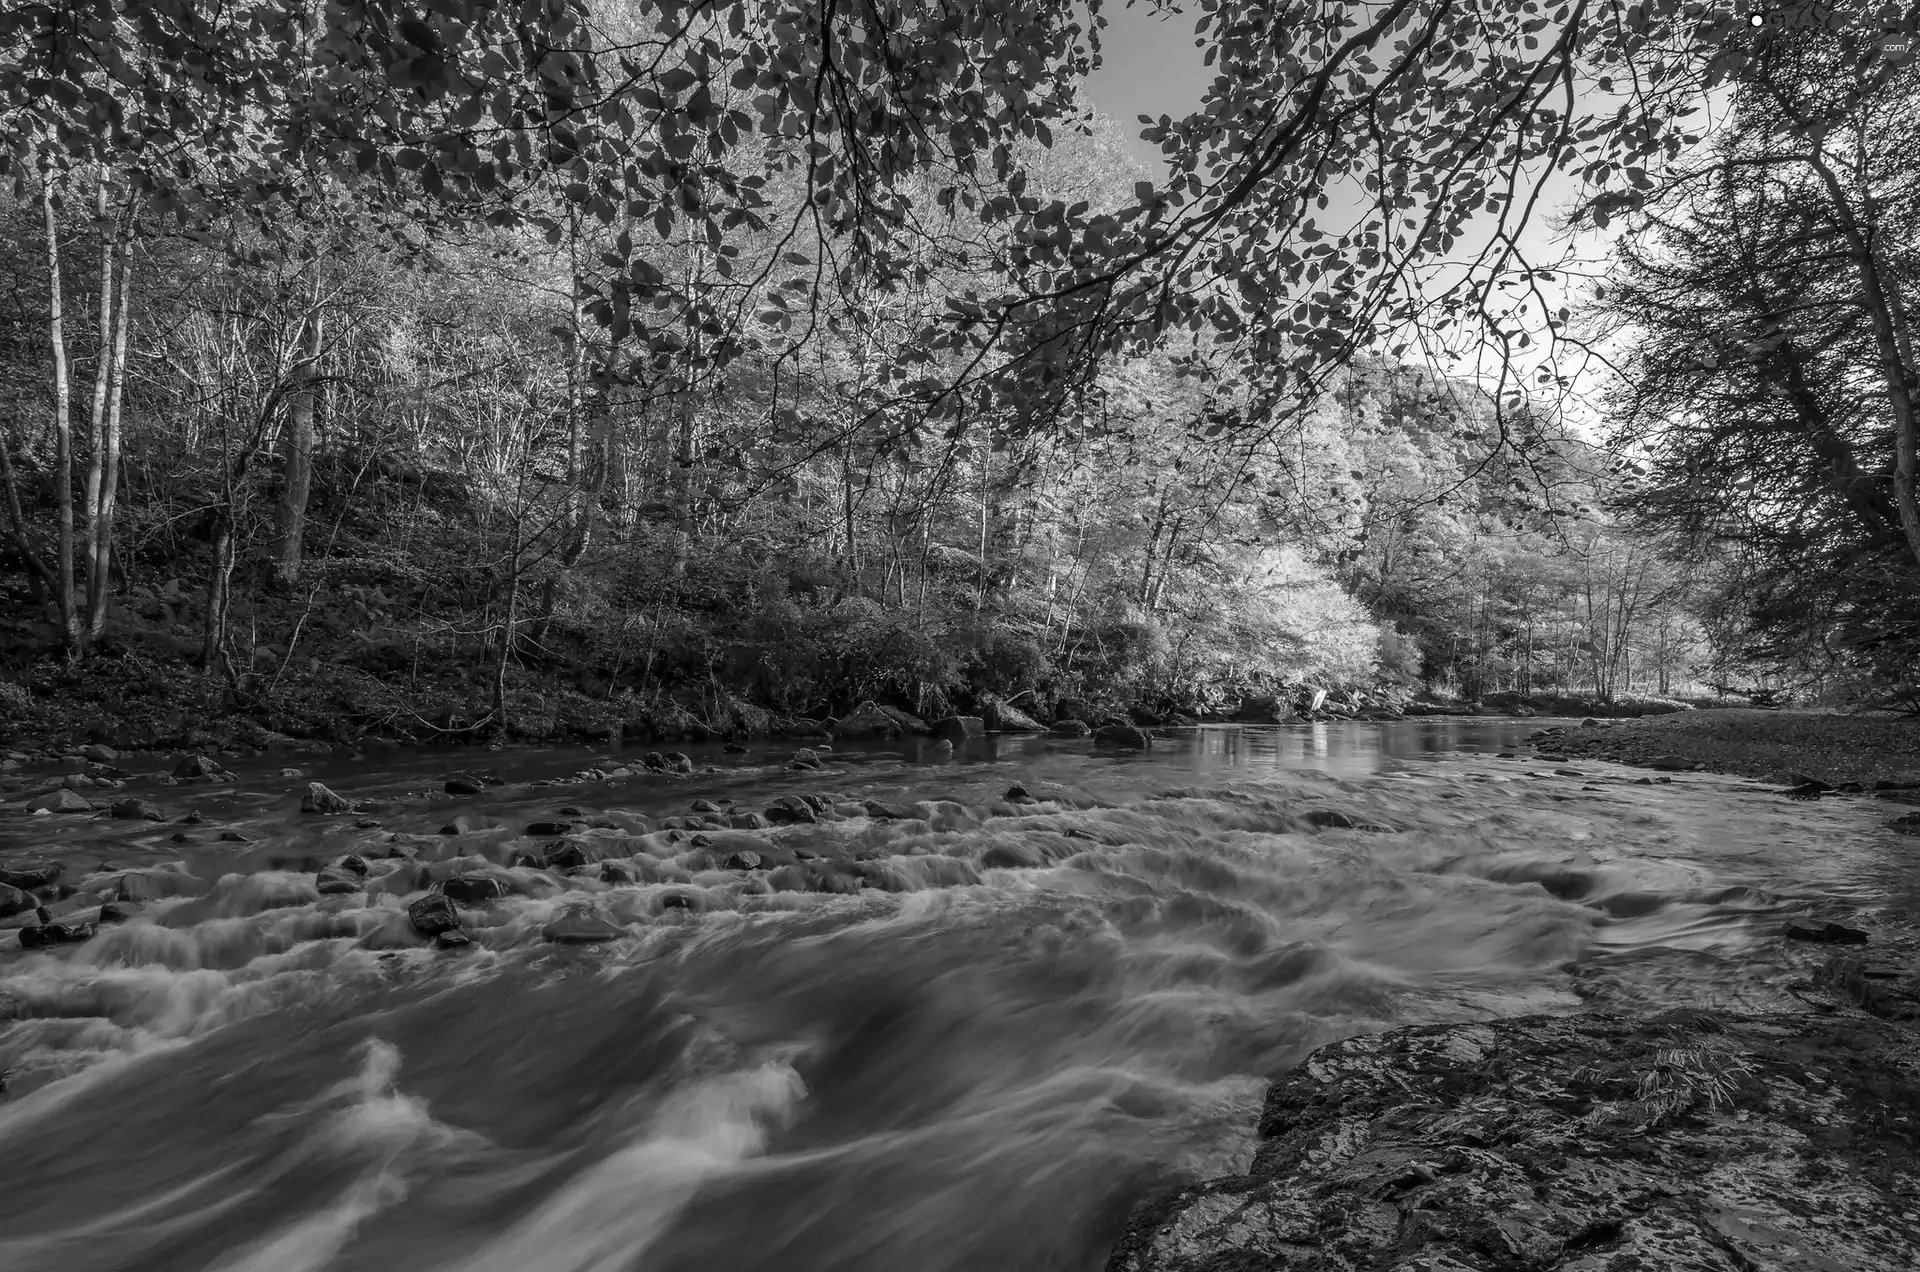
(955, 1030)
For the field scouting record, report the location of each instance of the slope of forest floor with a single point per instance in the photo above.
(1836, 749)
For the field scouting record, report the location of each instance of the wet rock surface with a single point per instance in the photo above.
(1597, 1142)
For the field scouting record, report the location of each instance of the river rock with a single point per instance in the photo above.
(323, 802)
(137, 810)
(31, 874)
(473, 889)
(705, 806)
(572, 854)
(337, 880)
(867, 721)
(544, 828)
(1830, 933)
(678, 762)
(63, 800)
(1670, 763)
(581, 926)
(45, 934)
(452, 939)
(464, 786)
(1592, 1143)
(747, 821)
(468, 824)
(99, 753)
(959, 728)
(1003, 717)
(200, 769)
(433, 914)
(14, 901)
(118, 912)
(1123, 735)
(789, 809)
(805, 759)
(1071, 729)
(883, 810)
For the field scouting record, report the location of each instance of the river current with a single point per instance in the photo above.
(956, 1030)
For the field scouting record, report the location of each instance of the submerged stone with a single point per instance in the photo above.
(581, 926)
(1831, 933)
(473, 889)
(137, 810)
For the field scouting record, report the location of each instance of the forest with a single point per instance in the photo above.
(549, 368)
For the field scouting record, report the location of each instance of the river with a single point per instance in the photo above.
(1016, 1020)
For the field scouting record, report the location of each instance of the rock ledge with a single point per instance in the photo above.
(1593, 1143)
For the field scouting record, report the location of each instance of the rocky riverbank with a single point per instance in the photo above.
(1584, 1143)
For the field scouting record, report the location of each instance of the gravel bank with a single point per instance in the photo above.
(1763, 744)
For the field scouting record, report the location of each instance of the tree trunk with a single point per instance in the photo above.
(213, 637)
(298, 451)
(105, 496)
(62, 432)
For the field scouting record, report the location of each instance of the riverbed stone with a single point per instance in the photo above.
(1126, 736)
(463, 786)
(323, 802)
(1588, 1143)
(63, 800)
(789, 809)
(958, 728)
(29, 874)
(118, 912)
(137, 810)
(867, 721)
(748, 821)
(805, 758)
(41, 935)
(473, 889)
(1828, 933)
(433, 914)
(1071, 729)
(678, 762)
(14, 901)
(581, 925)
(1003, 717)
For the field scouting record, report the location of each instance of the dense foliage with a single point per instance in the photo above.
(765, 354)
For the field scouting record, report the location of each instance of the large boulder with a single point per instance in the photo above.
(867, 720)
(1263, 708)
(1571, 1143)
(959, 728)
(1002, 716)
(1126, 736)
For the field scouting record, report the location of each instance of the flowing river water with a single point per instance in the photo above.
(1006, 1022)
